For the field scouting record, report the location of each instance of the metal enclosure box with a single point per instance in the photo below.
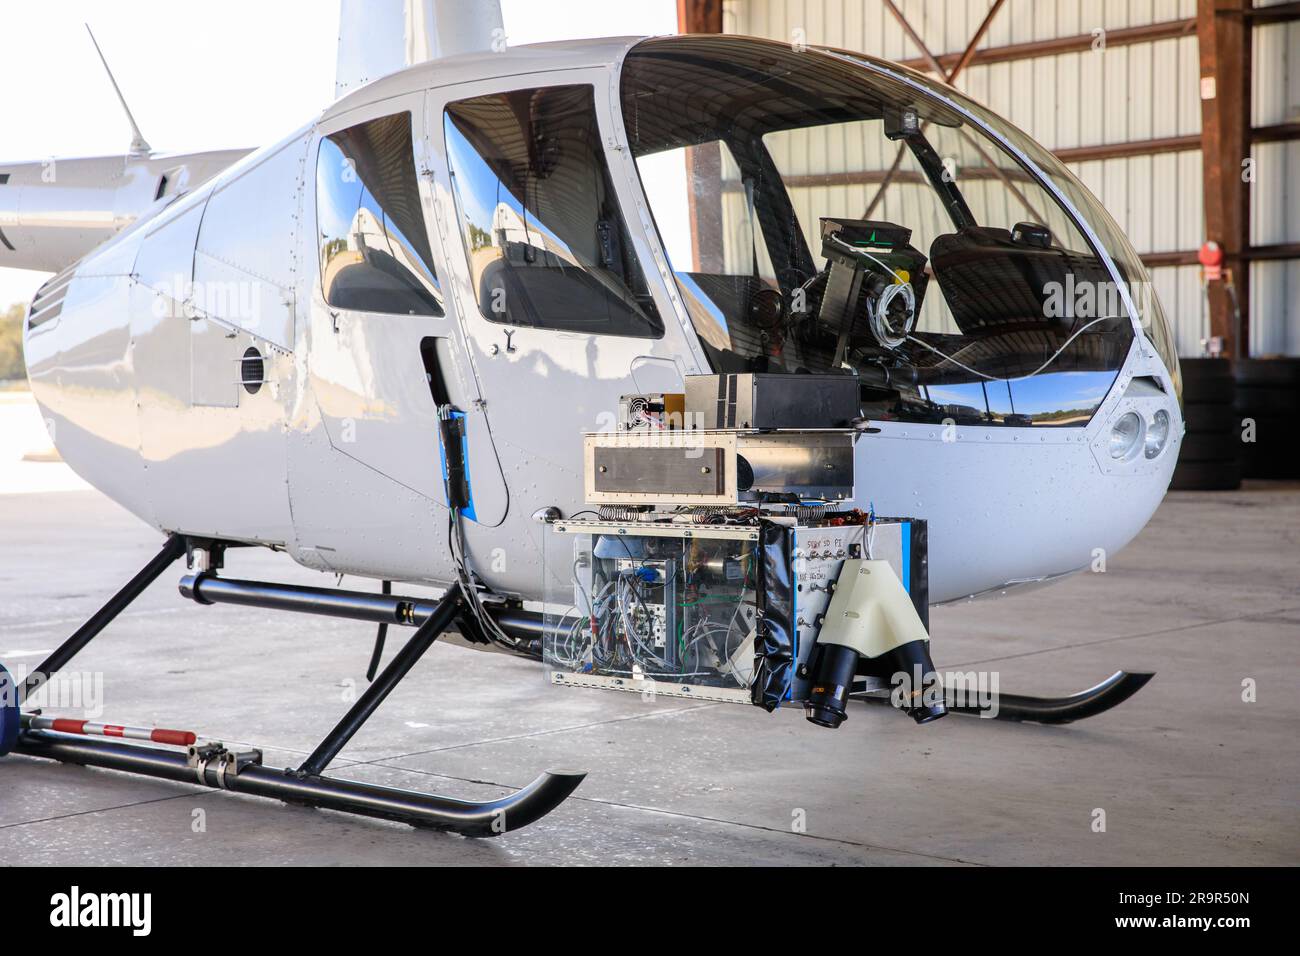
(770, 400)
(673, 607)
(668, 608)
(716, 467)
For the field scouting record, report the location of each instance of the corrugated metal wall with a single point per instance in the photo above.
(1107, 95)
(1275, 197)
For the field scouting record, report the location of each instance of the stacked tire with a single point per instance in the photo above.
(1268, 393)
(1210, 459)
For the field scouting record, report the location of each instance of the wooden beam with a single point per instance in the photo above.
(1137, 147)
(1279, 250)
(968, 54)
(869, 177)
(1124, 36)
(931, 64)
(1277, 133)
(699, 16)
(1076, 154)
(1278, 13)
(1153, 260)
(1225, 61)
(1189, 257)
(949, 76)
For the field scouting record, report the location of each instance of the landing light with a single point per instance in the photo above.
(1157, 434)
(1126, 436)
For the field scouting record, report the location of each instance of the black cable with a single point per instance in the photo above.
(387, 588)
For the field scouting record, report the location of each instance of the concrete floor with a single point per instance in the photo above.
(1186, 772)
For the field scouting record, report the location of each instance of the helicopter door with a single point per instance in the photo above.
(560, 317)
(384, 352)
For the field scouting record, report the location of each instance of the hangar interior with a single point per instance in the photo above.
(1146, 102)
(1182, 117)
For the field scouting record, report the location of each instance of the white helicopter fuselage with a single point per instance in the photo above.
(136, 355)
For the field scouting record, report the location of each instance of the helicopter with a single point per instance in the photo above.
(376, 344)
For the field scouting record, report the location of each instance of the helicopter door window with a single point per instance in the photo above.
(545, 236)
(374, 250)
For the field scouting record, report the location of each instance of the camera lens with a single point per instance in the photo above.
(832, 680)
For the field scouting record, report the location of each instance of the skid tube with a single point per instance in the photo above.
(220, 770)
(211, 764)
(1111, 692)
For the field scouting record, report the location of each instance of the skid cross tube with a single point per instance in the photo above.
(351, 605)
(451, 604)
(83, 635)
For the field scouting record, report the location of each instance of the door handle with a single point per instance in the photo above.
(495, 349)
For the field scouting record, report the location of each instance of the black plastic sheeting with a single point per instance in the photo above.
(774, 637)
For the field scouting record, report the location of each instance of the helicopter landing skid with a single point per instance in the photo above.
(211, 764)
(1020, 708)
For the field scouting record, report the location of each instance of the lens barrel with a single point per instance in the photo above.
(834, 666)
(832, 682)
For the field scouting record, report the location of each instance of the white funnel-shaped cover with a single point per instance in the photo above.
(870, 610)
(379, 37)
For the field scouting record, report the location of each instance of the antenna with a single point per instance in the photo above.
(139, 146)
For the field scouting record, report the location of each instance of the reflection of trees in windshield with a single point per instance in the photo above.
(547, 242)
(374, 250)
(746, 153)
(1055, 398)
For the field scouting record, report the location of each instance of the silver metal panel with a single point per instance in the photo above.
(660, 471)
(807, 464)
(244, 273)
(698, 449)
(165, 263)
(769, 401)
(214, 364)
(85, 384)
(668, 467)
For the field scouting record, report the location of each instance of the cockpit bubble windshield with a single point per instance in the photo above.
(819, 216)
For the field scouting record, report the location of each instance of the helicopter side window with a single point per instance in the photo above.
(545, 237)
(374, 250)
(709, 225)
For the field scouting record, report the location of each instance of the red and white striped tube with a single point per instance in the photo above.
(89, 728)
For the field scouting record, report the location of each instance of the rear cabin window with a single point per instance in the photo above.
(374, 249)
(546, 240)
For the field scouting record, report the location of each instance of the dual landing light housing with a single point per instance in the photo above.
(1133, 436)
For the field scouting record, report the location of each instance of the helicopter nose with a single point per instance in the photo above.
(1007, 506)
